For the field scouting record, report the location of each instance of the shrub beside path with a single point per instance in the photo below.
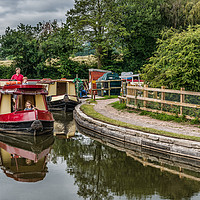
(107, 110)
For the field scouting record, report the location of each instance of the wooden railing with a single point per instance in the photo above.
(136, 94)
(102, 89)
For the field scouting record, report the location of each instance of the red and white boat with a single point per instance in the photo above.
(13, 117)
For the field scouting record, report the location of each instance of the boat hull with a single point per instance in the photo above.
(33, 122)
(25, 128)
(61, 103)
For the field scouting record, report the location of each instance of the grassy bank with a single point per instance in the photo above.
(89, 110)
(160, 116)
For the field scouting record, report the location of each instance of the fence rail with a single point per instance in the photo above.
(139, 97)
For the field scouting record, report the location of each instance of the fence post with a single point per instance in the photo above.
(109, 88)
(182, 100)
(102, 89)
(128, 93)
(135, 94)
(122, 88)
(145, 95)
(155, 95)
(92, 89)
(162, 97)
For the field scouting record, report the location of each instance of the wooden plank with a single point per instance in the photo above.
(109, 88)
(145, 95)
(122, 97)
(182, 100)
(165, 90)
(165, 102)
(162, 97)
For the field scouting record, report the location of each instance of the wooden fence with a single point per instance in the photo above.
(138, 97)
(103, 88)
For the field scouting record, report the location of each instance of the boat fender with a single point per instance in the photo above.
(37, 125)
(13, 82)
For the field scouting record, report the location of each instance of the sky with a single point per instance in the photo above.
(14, 12)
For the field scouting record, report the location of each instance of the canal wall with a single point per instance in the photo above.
(129, 136)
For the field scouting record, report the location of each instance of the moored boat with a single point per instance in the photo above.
(13, 117)
(61, 94)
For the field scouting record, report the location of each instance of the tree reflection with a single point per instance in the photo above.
(101, 172)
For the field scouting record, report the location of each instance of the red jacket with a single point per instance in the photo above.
(18, 78)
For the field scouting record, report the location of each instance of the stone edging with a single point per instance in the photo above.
(157, 142)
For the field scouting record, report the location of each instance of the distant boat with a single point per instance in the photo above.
(14, 119)
(61, 94)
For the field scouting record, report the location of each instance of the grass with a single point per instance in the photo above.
(118, 106)
(91, 101)
(89, 110)
(160, 116)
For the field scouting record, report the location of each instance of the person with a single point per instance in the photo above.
(17, 76)
(25, 81)
(29, 106)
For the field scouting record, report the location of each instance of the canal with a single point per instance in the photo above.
(80, 166)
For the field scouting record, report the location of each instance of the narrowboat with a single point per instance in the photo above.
(24, 159)
(13, 116)
(62, 94)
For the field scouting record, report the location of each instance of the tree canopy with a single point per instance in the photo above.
(123, 34)
(176, 61)
(90, 21)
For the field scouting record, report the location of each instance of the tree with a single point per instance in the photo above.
(140, 25)
(175, 64)
(90, 21)
(180, 14)
(41, 51)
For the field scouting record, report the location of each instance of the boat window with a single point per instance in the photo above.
(61, 88)
(21, 100)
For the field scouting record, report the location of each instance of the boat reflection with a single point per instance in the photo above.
(61, 128)
(25, 158)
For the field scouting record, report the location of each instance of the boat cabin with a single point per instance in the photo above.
(14, 97)
(60, 87)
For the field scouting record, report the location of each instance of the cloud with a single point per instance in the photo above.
(14, 12)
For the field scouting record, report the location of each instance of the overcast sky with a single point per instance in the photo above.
(14, 12)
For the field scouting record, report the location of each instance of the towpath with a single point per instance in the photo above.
(107, 110)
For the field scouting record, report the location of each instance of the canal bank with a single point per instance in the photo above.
(128, 136)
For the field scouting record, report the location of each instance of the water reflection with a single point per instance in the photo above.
(64, 125)
(102, 172)
(24, 158)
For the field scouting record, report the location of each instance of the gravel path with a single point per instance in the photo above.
(105, 109)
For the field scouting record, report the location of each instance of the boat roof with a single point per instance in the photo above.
(49, 81)
(23, 89)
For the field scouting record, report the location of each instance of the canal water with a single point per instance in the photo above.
(78, 165)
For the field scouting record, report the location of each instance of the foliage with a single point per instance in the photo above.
(69, 68)
(180, 14)
(175, 64)
(140, 24)
(90, 21)
(42, 51)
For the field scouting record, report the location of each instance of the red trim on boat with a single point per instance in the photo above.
(24, 116)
